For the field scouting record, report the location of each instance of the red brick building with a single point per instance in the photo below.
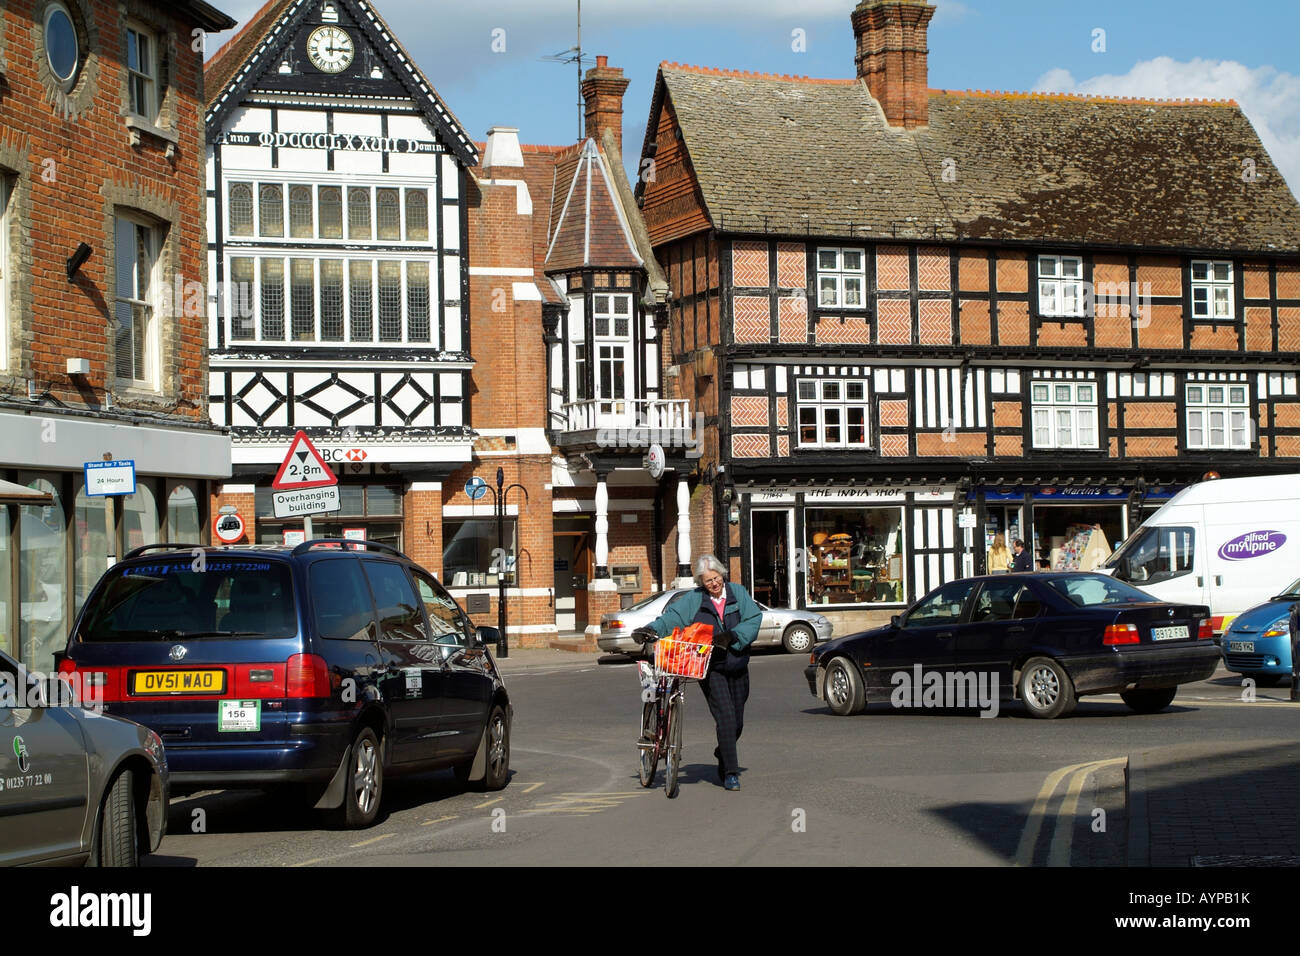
(905, 305)
(102, 286)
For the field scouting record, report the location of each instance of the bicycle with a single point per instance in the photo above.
(677, 661)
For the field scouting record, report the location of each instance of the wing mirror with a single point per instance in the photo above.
(488, 635)
(896, 621)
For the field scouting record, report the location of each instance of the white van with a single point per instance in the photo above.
(1231, 543)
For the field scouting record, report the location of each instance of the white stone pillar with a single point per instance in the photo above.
(684, 578)
(602, 581)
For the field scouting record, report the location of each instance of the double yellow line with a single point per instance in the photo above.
(1063, 831)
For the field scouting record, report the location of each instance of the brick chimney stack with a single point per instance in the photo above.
(891, 57)
(602, 91)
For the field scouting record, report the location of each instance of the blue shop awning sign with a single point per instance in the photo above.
(1116, 493)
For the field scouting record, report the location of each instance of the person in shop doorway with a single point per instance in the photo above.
(1020, 561)
(999, 558)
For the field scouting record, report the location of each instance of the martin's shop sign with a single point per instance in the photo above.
(1077, 493)
(341, 141)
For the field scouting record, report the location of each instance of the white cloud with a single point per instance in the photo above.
(1269, 98)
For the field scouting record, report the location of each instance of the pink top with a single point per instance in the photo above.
(719, 603)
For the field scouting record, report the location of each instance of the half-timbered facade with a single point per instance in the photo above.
(940, 316)
(338, 215)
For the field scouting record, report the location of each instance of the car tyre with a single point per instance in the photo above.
(798, 639)
(495, 748)
(1149, 701)
(365, 783)
(1046, 688)
(117, 836)
(845, 694)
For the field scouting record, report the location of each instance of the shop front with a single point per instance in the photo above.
(863, 551)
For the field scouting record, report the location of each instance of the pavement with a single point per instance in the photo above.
(1207, 804)
(525, 659)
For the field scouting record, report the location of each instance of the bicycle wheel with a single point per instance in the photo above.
(673, 745)
(650, 754)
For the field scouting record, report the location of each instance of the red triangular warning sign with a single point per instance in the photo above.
(303, 467)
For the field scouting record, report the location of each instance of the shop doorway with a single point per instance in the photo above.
(573, 569)
(1076, 537)
(999, 519)
(771, 535)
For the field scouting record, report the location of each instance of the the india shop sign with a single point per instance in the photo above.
(354, 142)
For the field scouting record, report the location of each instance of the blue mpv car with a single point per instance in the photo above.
(1258, 642)
(321, 667)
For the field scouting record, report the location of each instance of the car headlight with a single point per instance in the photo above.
(1279, 628)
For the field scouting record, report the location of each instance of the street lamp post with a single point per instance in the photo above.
(501, 492)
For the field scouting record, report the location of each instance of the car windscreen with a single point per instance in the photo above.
(183, 597)
(1091, 590)
(1290, 594)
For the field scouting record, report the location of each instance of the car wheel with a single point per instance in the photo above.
(365, 786)
(117, 841)
(1149, 701)
(844, 691)
(1046, 688)
(799, 639)
(494, 747)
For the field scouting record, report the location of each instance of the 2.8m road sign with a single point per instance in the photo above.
(304, 485)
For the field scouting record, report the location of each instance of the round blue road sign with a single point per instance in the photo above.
(476, 487)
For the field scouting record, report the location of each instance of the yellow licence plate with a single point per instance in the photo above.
(178, 682)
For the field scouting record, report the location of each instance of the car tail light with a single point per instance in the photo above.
(307, 675)
(1205, 630)
(1121, 634)
(92, 687)
(615, 625)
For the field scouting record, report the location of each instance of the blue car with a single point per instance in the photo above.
(1258, 643)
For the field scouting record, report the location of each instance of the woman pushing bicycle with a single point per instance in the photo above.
(735, 620)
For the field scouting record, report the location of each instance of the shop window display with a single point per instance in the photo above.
(855, 555)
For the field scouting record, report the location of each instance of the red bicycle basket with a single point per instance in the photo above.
(686, 653)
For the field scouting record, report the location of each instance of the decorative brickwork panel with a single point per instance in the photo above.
(893, 413)
(1150, 446)
(1110, 271)
(1113, 332)
(955, 445)
(791, 265)
(1013, 272)
(1255, 280)
(838, 330)
(892, 268)
(1114, 448)
(935, 321)
(1006, 415)
(1009, 445)
(783, 446)
(1285, 415)
(973, 270)
(1164, 330)
(1259, 330)
(1288, 329)
(749, 411)
(1165, 273)
(933, 269)
(783, 411)
(1263, 415)
(792, 319)
(1013, 323)
(1263, 446)
(1222, 338)
(894, 322)
(1287, 446)
(1150, 415)
(750, 446)
(1288, 281)
(749, 264)
(753, 320)
(893, 446)
(1062, 335)
(1112, 414)
(974, 322)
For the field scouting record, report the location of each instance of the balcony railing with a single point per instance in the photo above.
(662, 413)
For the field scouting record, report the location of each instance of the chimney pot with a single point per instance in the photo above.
(602, 92)
(602, 62)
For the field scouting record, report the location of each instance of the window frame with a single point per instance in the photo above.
(1059, 279)
(1075, 407)
(1226, 406)
(1209, 285)
(839, 274)
(843, 404)
(152, 350)
(153, 92)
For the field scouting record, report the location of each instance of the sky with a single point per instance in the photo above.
(487, 58)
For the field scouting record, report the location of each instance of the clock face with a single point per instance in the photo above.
(330, 49)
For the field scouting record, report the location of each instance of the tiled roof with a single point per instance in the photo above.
(797, 156)
(589, 228)
(223, 65)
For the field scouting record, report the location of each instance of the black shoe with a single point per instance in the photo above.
(732, 782)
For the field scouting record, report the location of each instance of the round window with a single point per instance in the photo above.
(61, 44)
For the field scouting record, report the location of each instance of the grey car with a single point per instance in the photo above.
(796, 631)
(76, 786)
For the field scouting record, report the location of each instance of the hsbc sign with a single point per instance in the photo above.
(354, 455)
